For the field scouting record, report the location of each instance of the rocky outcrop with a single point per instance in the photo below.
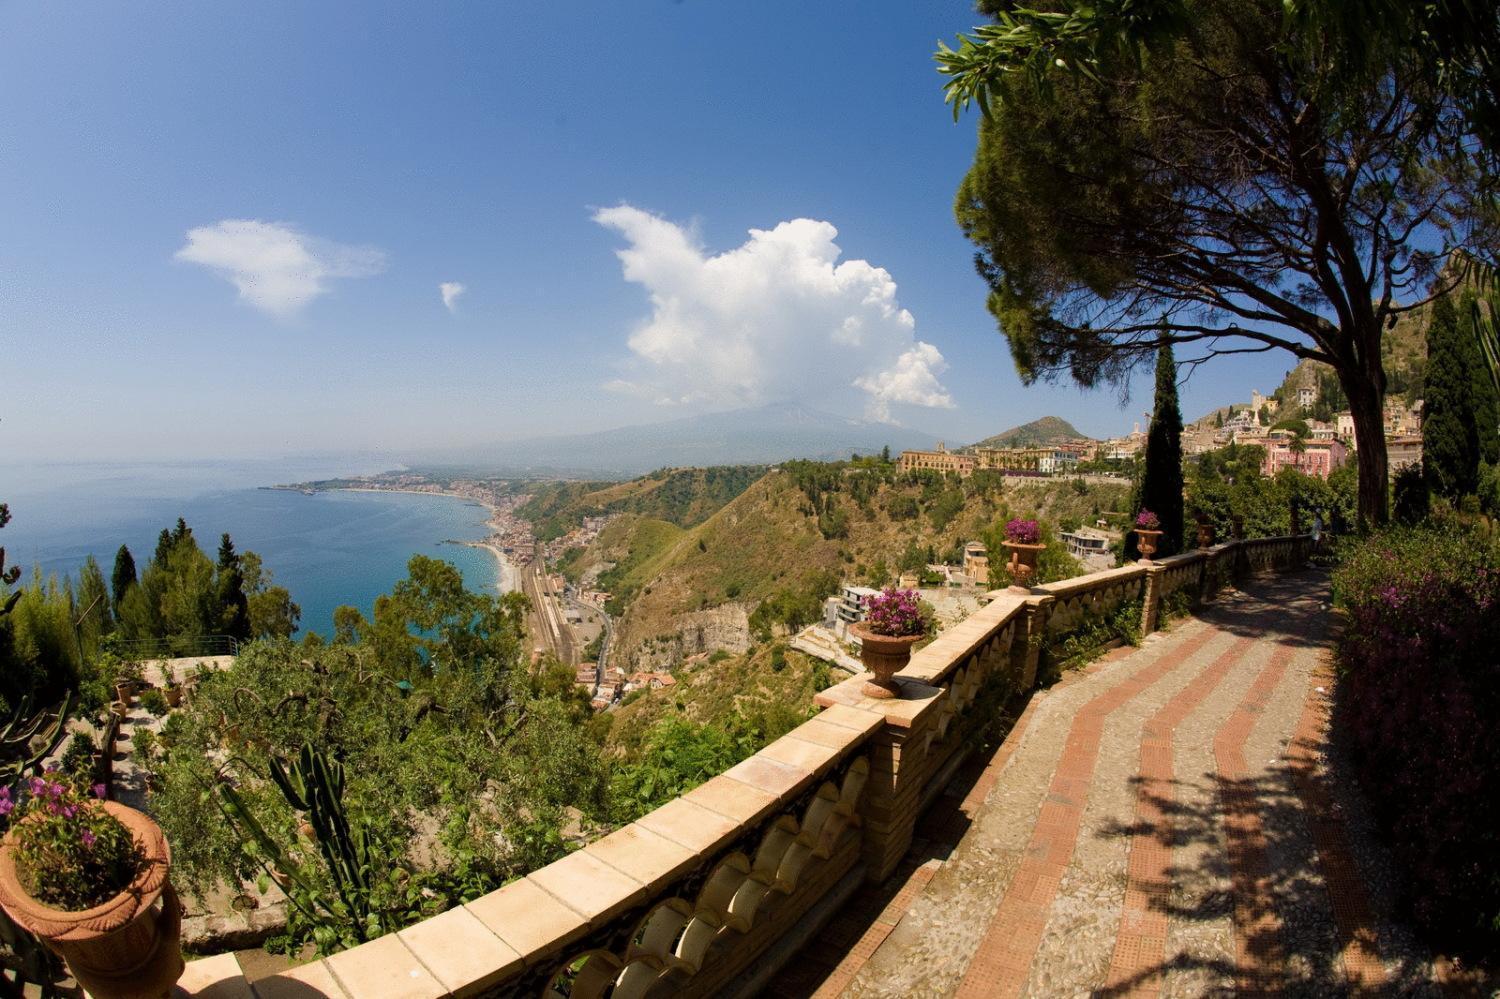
(724, 627)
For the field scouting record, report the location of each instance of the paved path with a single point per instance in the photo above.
(1159, 824)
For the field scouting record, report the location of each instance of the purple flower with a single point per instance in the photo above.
(1023, 532)
(89, 839)
(99, 790)
(6, 805)
(896, 613)
(1147, 521)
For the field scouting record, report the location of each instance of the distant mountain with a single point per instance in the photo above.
(760, 436)
(1047, 430)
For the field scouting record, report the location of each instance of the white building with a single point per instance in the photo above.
(850, 606)
(1306, 396)
(1085, 542)
(1058, 462)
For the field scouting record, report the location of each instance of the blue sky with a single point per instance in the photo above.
(224, 228)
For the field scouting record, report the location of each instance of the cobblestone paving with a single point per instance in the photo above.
(1161, 824)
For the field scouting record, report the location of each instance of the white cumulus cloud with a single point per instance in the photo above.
(450, 290)
(778, 317)
(276, 267)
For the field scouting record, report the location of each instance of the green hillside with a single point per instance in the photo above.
(681, 496)
(795, 534)
(1047, 430)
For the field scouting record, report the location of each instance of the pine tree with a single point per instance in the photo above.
(163, 548)
(1161, 486)
(233, 602)
(1450, 432)
(123, 577)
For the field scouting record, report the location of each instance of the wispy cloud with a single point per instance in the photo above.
(450, 290)
(276, 267)
(776, 317)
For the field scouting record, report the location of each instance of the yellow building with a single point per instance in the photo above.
(941, 460)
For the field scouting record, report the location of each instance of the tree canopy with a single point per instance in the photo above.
(1211, 176)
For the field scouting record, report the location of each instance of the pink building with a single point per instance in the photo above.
(1319, 458)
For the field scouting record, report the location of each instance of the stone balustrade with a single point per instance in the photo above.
(712, 892)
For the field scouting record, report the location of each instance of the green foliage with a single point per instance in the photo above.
(1087, 641)
(1162, 485)
(155, 702)
(1411, 500)
(684, 497)
(1450, 428)
(793, 609)
(69, 852)
(1111, 130)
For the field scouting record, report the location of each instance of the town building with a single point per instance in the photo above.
(649, 681)
(977, 563)
(849, 606)
(1085, 542)
(1011, 459)
(1307, 395)
(1317, 458)
(1402, 450)
(1343, 423)
(941, 460)
(1058, 461)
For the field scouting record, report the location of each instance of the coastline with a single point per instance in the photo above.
(508, 580)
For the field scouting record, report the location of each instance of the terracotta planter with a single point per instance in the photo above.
(884, 656)
(1022, 564)
(123, 690)
(120, 709)
(127, 948)
(1145, 542)
(1205, 534)
(173, 695)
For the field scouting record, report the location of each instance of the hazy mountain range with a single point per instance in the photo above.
(760, 436)
(763, 435)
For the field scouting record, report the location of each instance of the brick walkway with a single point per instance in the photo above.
(1159, 824)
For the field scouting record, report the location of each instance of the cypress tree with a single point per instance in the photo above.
(1450, 432)
(1161, 486)
(1482, 392)
(233, 603)
(123, 577)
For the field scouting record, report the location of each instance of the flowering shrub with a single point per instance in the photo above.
(897, 613)
(1418, 696)
(70, 853)
(1147, 521)
(1023, 532)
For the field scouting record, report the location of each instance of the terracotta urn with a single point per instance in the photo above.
(884, 656)
(123, 690)
(173, 694)
(127, 948)
(1022, 564)
(1145, 542)
(1205, 534)
(120, 709)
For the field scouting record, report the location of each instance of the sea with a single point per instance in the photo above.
(328, 548)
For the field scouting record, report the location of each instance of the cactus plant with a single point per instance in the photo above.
(314, 786)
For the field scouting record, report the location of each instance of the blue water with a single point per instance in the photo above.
(328, 549)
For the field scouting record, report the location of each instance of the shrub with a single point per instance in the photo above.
(1417, 700)
(155, 702)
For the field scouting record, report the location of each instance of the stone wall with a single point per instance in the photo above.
(692, 899)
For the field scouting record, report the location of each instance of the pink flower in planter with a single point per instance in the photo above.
(1023, 532)
(1147, 521)
(896, 613)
